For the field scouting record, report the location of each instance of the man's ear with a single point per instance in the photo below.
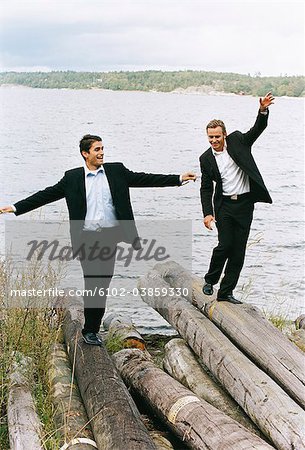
(85, 154)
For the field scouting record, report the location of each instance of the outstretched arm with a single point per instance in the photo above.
(142, 179)
(48, 195)
(261, 120)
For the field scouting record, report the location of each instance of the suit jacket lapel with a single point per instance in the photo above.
(81, 184)
(231, 152)
(213, 163)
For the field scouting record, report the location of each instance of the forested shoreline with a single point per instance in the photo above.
(155, 80)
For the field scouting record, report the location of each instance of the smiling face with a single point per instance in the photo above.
(216, 138)
(94, 158)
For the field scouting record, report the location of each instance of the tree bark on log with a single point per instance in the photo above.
(160, 441)
(122, 327)
(70, 416)
(273, 411)
(180, 362)
(178, 277)
(249, 330)
(115, 419)
(24, 426)
(196, 422)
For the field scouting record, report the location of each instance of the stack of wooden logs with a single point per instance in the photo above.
(231, 381)
(251, 359)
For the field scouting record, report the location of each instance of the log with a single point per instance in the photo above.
(122, 328)
(179, 278)
(24, 426)
(180, 362)
(114, 417)
(196, 422)
(264, 343)
(70, 414)
(249, 330)
(266, 403)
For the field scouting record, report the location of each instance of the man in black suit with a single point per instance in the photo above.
(230, 185)
(100, 213)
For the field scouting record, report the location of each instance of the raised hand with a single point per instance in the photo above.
(266, 101)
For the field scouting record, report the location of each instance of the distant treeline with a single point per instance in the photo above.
(155, 80)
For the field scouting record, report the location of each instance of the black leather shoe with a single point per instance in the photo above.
(207, 289)
(92, 339)
(230, 298)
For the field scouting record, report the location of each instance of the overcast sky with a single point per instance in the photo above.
(100, 35)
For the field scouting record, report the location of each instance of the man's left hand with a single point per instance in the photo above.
(6, 209)
(188, 176)
(266, 101)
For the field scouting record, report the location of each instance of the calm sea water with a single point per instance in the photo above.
(164, 133)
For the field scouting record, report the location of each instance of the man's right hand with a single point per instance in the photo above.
(6, 209)
(208, 221)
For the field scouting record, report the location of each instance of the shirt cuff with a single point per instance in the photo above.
(264, 113)
(180, 179)
(13, 208)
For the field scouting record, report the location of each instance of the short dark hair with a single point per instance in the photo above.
(216, 123)
(86, 142)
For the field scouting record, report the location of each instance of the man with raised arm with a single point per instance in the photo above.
(100, 211)
(230, 185)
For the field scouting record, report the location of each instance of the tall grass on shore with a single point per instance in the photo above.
(31, 331)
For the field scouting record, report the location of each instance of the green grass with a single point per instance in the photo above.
(279, 322)
(114, 343)
(31, 331)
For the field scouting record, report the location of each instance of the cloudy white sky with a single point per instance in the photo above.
(102, 35)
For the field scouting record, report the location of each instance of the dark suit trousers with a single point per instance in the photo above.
(98, 267)
(233, 223)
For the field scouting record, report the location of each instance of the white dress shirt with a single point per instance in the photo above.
(234, 179)
(100, 208)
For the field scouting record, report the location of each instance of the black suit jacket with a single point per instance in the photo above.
(72, 188)
(239, 148)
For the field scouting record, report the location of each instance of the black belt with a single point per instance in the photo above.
(236, 197)
(104, 231)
